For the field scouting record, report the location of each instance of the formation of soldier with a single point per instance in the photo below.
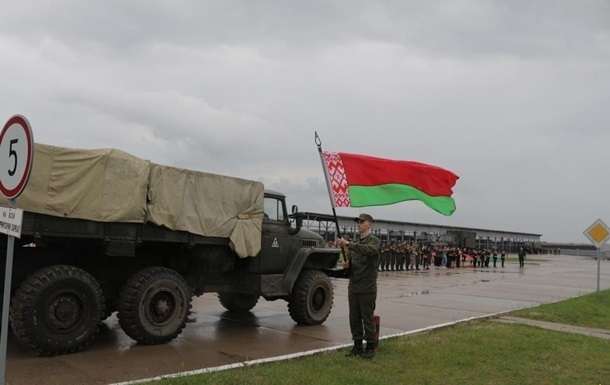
(404, 256)
(400, 255)
(483, 257)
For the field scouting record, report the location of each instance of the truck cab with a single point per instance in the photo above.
(287, 247)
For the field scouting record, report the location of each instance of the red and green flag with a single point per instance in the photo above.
(359, 181)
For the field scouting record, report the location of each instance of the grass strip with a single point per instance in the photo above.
(474, 353)
(591, 310)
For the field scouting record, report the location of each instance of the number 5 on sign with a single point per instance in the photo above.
(16, 153)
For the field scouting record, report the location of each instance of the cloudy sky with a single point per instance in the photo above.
(510, 95)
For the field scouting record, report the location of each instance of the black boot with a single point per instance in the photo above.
(369, 352)
(356, 350)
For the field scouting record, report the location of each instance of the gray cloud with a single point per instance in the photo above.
(509, 95)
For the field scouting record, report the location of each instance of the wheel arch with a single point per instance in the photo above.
(310, 259)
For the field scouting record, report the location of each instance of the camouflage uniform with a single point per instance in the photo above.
(383, 256)
(408, 265)
(362, 288)
(391, 261)
(417, 255)
(400, 256)
(403, 255)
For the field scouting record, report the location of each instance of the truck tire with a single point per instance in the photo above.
(57, 310)
(154, 305)
(311, 299)
(238, 302)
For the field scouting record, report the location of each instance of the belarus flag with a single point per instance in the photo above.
(359, 180)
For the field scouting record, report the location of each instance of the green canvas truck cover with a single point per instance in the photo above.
(109, 185)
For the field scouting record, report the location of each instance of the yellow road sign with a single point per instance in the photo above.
(598, 233)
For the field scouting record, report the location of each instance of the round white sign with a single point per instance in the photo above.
(16, 156)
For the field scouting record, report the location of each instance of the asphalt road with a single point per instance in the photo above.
(407, 302)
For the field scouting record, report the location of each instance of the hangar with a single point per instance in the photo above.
(510, 241)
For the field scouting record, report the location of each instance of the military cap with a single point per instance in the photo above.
(364, 217)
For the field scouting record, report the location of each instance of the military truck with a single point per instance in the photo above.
(464, 238)
(104, 231)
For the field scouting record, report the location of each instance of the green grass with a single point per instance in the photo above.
(475, 353)
(592, 310)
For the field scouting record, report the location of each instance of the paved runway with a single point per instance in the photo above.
(407, 302)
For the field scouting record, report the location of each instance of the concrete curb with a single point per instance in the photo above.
(592, 332)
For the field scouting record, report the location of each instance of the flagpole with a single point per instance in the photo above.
(330, 194)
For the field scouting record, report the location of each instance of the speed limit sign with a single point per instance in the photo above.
(16, 155)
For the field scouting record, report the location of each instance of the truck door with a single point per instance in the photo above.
(276, 238)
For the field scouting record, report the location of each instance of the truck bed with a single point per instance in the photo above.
(119, 238)
(92, 187)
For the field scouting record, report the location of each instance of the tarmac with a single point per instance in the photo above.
(408, 302)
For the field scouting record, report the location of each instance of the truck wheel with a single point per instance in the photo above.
(311, 298)
(57, 310)
(238, 302)
(154, 305)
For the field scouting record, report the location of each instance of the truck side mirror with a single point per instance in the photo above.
(298, 220)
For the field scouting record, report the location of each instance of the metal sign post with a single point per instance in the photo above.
(598, 268)
(10, 245)
(16, 157)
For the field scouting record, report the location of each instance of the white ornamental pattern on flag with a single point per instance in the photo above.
(338, 179)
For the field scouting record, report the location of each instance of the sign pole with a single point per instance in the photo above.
(10, 245)
(16, 158)
(598, 268)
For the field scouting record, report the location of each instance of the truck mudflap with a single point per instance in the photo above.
(274, 286)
